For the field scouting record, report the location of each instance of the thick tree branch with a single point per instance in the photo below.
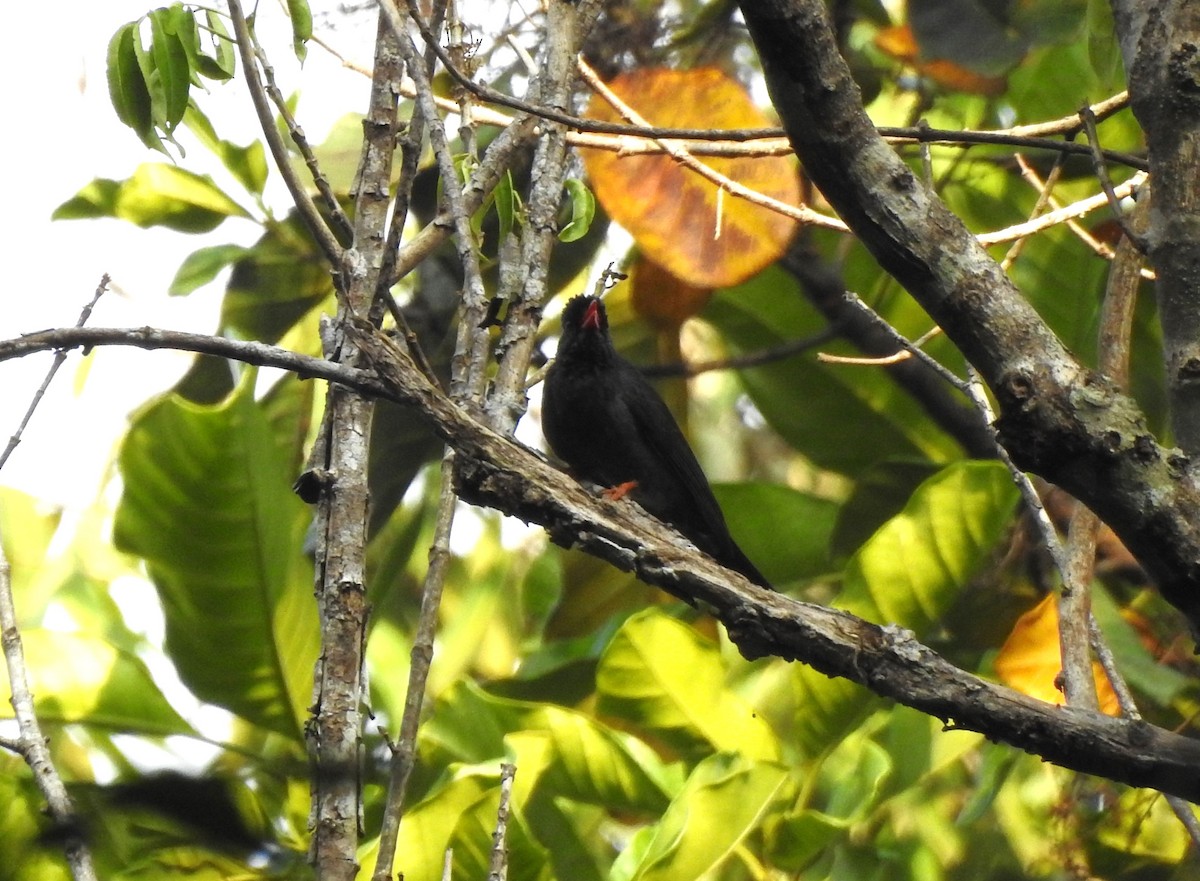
(1059, 419)
(1161, 44)
(501, 473)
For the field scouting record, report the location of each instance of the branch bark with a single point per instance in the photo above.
(1161, 45)
(1058, 419)
(499, 472)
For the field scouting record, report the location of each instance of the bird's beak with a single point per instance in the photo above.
(591, 318)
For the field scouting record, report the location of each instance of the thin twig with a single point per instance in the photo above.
(405, 749)
(567, 25)
(498, 866)
(1101, 167)
(344, 229)
(470, 355)
(59, 358)
(316, 225)
(1061, 215)
(32, 744)
(1029, 173)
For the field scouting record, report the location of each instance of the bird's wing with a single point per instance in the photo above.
(658, 430)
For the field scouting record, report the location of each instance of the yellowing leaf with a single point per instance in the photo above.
(678, 218)
(664, 299)
(1030, 660)
(899, 43)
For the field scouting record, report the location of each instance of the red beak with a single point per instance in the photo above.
(591, 318)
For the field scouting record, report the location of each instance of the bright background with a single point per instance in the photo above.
(62, 133)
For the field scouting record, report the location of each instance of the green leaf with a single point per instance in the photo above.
(127, 86)
(817, 407)
(281, 278)
(583, 209)
(156, 195)
(165, 195)
(784, 531)
(572, 755)
(507, 203)
(201, 267)
(723, 801)
(207, 504)
(301, 17)
(223, 63)
(664, 677)
(169, 27)
(914, 567)
(879, 494)
(78, 677)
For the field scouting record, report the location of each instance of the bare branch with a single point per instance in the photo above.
(501, 473)
(32, 743)
(59, 358)
(316, 225)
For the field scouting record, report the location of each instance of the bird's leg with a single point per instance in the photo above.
(618, 492)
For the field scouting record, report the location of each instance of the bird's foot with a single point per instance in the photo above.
(618, 492)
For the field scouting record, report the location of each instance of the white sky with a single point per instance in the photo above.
(62, 133)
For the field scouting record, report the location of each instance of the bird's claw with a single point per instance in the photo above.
(618, 492)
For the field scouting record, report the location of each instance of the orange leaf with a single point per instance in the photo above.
(662, 298)
(1030, 660)
(671, 211)
(899, 43)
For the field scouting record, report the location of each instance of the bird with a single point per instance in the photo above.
(602, 417)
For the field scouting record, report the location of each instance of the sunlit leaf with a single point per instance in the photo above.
(912, 569)
(78, 677)
(1031, 659)
(208, 505)
(201, 267)
(581, 758)
(664, 677)
(723, 800)
(679, 219)
(156, 195)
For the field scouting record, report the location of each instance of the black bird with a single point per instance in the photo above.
(605, 420)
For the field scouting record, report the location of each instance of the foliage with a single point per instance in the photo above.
(645, 746)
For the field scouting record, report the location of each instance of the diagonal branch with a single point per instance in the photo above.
(304, 204)
(501, 473)
(1059, 419)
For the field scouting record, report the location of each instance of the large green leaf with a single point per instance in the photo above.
(724, 799)
(823, 411)
(207, 504)
(665, 678)
(561, 750)
(78, 677)
(914, 567)
(156, 195)
(909, 573)
(784, 531)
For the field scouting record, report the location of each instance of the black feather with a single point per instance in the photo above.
(605, 420)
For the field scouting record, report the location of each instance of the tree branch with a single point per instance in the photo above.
(499, 472)
(1161, 44)
(304, 204)
(1059, 419)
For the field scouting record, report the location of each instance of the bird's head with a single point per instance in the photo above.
(584, 328)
